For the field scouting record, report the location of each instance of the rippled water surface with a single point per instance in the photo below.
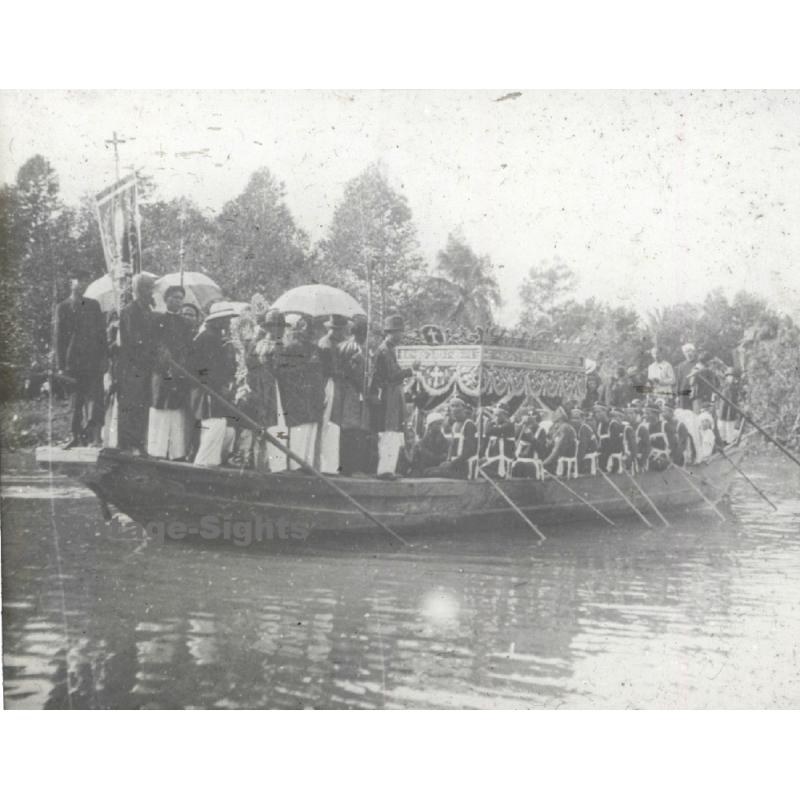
(704, 614)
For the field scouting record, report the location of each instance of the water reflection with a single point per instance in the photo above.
(594, 618)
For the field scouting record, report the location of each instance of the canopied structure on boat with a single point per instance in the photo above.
(486, 366)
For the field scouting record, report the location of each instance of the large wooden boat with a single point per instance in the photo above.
(153, 490)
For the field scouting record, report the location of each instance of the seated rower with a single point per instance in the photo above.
(463, 447)
(564, 441)
(500, 441)
(587, 441)
(643, 446)
(431, 450)
(629, 439)
(679, 440)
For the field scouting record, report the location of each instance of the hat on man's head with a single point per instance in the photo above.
(433, 418)
(175, 289)
(222, 310)
(632, 371)
(457, 402)
(394, 323)
(273, 318)
(337, 321)
(688, 347)
(576, 413)
(652, 407)
(615, 412)
(600, 407)
(78, 272)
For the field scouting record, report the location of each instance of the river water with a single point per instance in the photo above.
(703, 615)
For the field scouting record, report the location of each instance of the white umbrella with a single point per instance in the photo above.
(200, 289)
(102, 290)
(317, 300)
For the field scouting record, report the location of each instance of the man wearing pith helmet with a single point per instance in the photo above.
(387, 385)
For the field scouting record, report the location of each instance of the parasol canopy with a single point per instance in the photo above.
(102, 290)
(200, 289)
(317, 300)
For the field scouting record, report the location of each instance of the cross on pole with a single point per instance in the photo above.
(116, 142)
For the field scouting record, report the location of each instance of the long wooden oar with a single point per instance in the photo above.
(582, 499)
(644, 494)
(691, 483)
(285, 450)
(750, 420)
(512, 504)
(742, 473)
(625, 498)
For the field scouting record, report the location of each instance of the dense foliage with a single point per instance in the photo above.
(254, 245)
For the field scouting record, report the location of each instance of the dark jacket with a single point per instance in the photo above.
(213, 361)
(298, 371)
(81, 343)
(173, 334)
(330, 360)
(505, 436)
(682, 386)
(352, 361)
(564, 441)
(387, 385)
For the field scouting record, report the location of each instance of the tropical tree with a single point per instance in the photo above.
(467, 283)
(547, 287)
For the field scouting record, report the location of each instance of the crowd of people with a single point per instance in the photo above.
(168, 385)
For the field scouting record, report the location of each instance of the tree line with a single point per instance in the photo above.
(254, 245)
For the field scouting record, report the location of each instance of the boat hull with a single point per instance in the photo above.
(154, 490)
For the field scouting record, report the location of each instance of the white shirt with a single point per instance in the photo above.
(662, 376)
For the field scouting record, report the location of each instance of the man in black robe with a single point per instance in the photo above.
(137, 351)
(81, 349)
(387, 385)
(166, 434)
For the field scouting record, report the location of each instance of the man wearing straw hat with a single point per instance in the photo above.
(387, 384)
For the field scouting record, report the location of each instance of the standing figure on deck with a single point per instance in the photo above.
(387, 385)
(266, 398)
(137, 347)
(81, 350)
(298, 371)
(213, 361)
(166, 432)
(593, 392)
(661, 375)
(330, 432)
(684, 405)
(354, 449)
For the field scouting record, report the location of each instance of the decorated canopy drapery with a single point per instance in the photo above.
(491, 372)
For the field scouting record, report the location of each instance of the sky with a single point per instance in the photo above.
(651, 197)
